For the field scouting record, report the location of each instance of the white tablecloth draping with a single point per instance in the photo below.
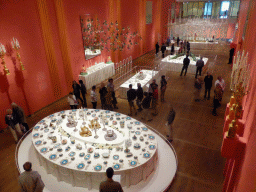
(149, 76)
(88, 177)
(177, 64)
(98, 75)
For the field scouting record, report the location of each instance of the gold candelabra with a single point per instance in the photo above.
(2, 54)
(16, 46)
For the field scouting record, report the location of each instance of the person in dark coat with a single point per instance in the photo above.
(188, 46)
(163, 87)
(199, 66)
(172, 49)
(103, 91)
(178, 41)
(77, 89)
(83, 92)
(231, 54)
(170, 119)
(146, 105)
(217, 98)
(112, 89)
(131, 96)
(163, 48)
(157, 48)
(185, 46)
(208, 84)
(186, 62)
(139, 94)
(19, 114)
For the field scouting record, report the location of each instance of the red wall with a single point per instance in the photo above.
(32, 89)
(244, 179)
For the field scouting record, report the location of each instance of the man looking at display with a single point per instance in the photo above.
(110, 185)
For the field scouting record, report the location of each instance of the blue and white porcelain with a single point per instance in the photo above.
(116, 166)
(96, 110)
(43, 150)
(137, 122)
(107, 116)
(73, 110)
(46, 130)
(144, 128)
(151, 137)
(152, 146)
(87, 157)
(117, 114)
(116, 157)
(62, 112)
(38, 142)
(80, 166)
(37, 127)
(72, 154)
(64, 162)
(97, 167)
(93, 115)
(53, 156)
(146, 155)
(128, 118)
(42, 121)
(133, 163)
(137, 132)
(36, 135)
(51, 115)
(107, 111)
(81, 154)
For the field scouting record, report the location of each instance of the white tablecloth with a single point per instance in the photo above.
(177, 64)
(149, 76)
(88, 177)
(95, 77)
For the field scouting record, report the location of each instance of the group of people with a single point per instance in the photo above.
(218, 90)
(146, 100)
(31, 181)
(15, 118)
(107, 95)
(186, 62)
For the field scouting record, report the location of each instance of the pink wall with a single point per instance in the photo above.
(32, 89)
(244, 177)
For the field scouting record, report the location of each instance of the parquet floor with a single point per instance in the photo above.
(197, 134)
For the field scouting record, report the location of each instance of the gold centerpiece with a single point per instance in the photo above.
(85, 132)
(94, 124)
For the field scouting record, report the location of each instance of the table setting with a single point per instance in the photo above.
(88, 141)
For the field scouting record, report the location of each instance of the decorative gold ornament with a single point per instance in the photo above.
(2, 54)
(16, 46)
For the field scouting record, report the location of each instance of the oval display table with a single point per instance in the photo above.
(70, 155)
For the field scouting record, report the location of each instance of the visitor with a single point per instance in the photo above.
(30, 181)
(94, 97)
(185, 46)
(112, 89)
(231, 54)
(208, 84)
(153, 88)
(108, 101)
(186, 62)
(83, 92)
(163, 48)
(13, 125)
(188, 46)
(131, 96)
(146, 114)
(178, 41)
(157, 48)
(199, 66)
(19, 114)
(198, 86)
(103, 92)
(220, 81)
(217, 98)
(139, 94)
(172, 49)
(77, 89)
(163, 87)
(110, 185)
(72, 101)
(170, 119)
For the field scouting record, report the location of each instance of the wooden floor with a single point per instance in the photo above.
(197, 133)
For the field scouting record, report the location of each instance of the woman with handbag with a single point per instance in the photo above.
(72, 101)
